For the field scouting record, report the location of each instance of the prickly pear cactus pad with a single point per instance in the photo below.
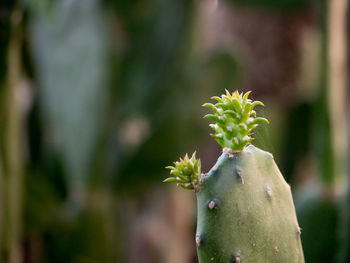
(246, 212)
(234, 118)
(245, 207)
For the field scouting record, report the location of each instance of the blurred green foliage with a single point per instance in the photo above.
(109, 93)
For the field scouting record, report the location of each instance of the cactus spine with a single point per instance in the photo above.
(245, 207)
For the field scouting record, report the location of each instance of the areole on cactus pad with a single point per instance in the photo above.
(245, 207)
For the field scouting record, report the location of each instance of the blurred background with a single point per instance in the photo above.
(98, 96)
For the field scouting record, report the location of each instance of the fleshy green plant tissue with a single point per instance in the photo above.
(245, 207)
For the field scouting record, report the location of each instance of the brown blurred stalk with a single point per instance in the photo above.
(337, 93)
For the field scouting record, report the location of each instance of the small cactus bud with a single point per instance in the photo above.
(237, 114)
(187, 172)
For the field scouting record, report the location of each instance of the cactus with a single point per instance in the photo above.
(234, 118)
(245, 207)
(187, 172)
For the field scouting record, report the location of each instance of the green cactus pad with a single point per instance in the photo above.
(235, 119)
(246, 212)
(186, 173)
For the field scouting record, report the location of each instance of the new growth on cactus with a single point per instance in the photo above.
(244, 206)
(186, 173)
(235, 119)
